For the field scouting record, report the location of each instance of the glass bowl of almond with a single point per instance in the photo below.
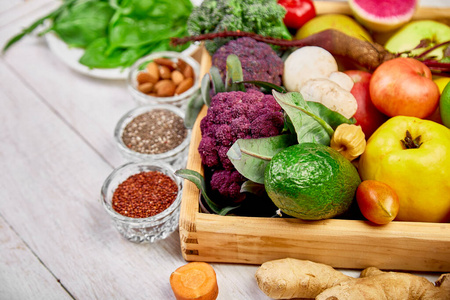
(164, 78)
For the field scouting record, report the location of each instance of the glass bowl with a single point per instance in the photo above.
(177, 156)
(140, 230)
(140, 66)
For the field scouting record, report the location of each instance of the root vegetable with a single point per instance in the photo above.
(364, 53)
(292, 278)
(331, 95)
(194, 281)
(376, 284)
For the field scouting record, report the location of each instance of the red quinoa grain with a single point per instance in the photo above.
(144, 194)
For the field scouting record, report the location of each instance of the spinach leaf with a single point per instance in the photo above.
(251, 156)
(140, 22)
(83, 23)
(95, 54)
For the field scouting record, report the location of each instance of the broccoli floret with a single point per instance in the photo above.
(258, 60)
(264, 17)
(231, 116)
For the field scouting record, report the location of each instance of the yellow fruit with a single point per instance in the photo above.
(419, 175)
(339, 22)
(311, 181)
(441, 83)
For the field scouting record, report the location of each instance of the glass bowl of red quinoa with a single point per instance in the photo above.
(165, 77)
(154, 132)
(143, 200)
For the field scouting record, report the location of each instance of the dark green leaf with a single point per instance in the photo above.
(205, 88)
(234, 74)
(96, 56)
(199, 181)
(194, 106)
(251, 156)
(332, 118)
(83, 23)
(216, 80)
(267, 85)
(308, 126)
(252, 187)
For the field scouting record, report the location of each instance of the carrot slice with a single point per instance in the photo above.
(194, 281)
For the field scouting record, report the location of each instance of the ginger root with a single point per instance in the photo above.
(292, 278)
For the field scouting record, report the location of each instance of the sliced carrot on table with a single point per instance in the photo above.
(194, 281)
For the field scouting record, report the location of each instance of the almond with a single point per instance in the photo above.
(177, 77)
(165, 88)
(164, 72)
(186, 84)
(153, 70)
(143, 77)
(188, 72)
(145, 87)
(165, 62)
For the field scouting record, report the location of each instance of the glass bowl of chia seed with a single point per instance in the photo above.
(154, 133)
(165, 77)
(143, 200)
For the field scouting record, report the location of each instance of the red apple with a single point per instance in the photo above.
(367, 115)
(403, 86)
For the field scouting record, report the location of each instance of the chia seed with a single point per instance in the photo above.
(154, 132)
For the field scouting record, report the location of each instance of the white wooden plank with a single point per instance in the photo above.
(22, 275)
(84, 102)
(15, 10)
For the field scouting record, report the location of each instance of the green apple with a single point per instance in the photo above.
(409, 37)
(444, 105)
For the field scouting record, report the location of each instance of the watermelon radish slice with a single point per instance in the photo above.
(383, 15)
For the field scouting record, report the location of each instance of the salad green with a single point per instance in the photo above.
(115, 33)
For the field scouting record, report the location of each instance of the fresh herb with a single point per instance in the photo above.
(116, 33)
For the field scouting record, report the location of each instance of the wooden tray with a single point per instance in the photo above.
(350, 244)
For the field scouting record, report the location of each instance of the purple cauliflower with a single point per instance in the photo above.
(259, 61)
(232, 116)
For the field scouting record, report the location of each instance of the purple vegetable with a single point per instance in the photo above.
(259, 61)
(231, 116)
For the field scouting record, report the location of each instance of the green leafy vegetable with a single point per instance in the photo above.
(116, 33)
(264, 17)
(309, 119)
(216, 79)
(234, 74)
(83, 23)
(199, 181)
(251, 156)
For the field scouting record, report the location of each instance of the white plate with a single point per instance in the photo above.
(71, 57)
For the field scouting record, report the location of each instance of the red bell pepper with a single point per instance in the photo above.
(298, 12)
